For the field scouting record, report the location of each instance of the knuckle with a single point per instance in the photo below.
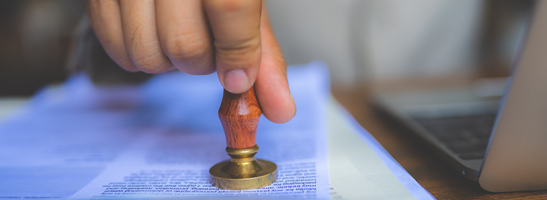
(193, 54)
(186, 47)
(152, 63)
(148, 56)
(244, 45)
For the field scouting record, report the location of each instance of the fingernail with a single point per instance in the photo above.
(235, 80)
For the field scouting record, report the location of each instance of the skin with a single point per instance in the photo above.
(232, 37)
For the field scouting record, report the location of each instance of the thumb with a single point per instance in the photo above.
(236, 30)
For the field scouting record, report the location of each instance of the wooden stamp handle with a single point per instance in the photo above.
(239, 115)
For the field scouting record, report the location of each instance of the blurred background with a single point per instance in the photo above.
(362, 41)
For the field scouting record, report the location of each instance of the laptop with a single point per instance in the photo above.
(498, 141)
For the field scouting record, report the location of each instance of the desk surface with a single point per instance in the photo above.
(429, 170)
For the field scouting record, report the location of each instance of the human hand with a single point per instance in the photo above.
(232, 37)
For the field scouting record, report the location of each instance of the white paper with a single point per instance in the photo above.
(360, 168)
(155, 140)
(160, 139)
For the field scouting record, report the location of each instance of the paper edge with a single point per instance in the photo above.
(412, 186)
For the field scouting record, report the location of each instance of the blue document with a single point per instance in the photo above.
(160, 138)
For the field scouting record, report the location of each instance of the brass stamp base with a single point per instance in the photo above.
(243, 171)
(226, 181)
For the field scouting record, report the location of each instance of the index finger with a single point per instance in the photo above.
(236, 29)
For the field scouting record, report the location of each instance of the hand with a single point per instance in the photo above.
(233, 37)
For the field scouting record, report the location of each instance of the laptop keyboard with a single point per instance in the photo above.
(466, 136)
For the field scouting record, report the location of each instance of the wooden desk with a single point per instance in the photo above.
(428, 169)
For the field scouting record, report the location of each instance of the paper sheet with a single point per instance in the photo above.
(155, 140)
(360, 168)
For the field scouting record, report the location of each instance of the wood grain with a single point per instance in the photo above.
(239, 115)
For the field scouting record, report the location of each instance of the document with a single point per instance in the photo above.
(158, 139)
(360, 168)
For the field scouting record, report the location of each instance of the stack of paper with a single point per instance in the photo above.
(159, 139)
